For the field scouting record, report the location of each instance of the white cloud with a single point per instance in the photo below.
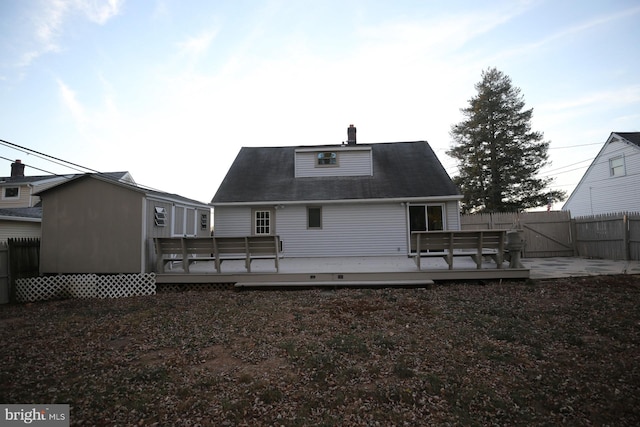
(601, 99)
(199, 44)
(50, 21)
(528, 48)
(70, 101)
(99, 11)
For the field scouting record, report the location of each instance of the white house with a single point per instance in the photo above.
(337, 200)
(612, 181)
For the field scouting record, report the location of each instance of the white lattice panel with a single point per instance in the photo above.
(85, 286)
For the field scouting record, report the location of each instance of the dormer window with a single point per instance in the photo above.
(328, 158)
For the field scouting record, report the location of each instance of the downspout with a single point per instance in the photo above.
(30, 186)
(143, 237)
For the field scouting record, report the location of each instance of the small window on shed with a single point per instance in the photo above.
(314, 217)
(328, 158)
(616, 166)
(11, 193)
(203, 222)
(160, 216)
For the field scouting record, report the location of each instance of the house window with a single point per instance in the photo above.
(327, 158)
(160, 216)
(314, 217)
(262, 222)
(616, 166)
(11, 193)
(426, 218)
(203, 221)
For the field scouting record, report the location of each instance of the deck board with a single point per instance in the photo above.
(339, 271)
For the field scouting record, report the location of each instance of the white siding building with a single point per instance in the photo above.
(337, 200)
(612, 181)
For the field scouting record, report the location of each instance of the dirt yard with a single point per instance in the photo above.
(510, 353)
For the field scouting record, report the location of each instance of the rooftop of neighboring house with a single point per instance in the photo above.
(20, 213)
(17, 175)
(633, 137)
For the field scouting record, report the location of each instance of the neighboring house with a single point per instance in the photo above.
(94, 223)
(20, 223)
(337, 200)
(612, 181)
(20, 209)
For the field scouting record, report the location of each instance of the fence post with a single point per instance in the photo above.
(625, 232)
(573, 230)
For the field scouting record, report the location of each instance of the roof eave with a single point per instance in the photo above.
(19, 218)
(456, 197)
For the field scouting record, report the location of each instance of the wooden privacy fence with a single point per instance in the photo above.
(546, 234)
(19, 259)
(554, 234)
(4, 273)
(610, 236)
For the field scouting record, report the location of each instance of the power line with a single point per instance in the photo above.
(578, 145)
(47, 157)
(591, 159)
(32, 167)
(61, 162)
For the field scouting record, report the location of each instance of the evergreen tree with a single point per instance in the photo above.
(498, 154)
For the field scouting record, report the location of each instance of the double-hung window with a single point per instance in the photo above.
(616, 166)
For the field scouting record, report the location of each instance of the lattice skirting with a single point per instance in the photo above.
(85, 286)
(183, 287)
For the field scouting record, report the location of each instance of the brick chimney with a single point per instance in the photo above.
(351, 135)
(17, 169)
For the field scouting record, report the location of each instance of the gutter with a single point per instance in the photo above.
(19, 218)
(342, 201)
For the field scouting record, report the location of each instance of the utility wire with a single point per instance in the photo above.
(61, 162)
(575, 146)
(47, 156)
(32, 167)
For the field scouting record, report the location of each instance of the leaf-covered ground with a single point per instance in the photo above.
(510, 353)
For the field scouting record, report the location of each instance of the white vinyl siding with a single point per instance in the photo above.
(347, 230)
(232, 221)
(348, 163)
(452, 213)
(19, 229)
(599, 192)
(361, 229)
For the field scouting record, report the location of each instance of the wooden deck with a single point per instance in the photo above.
(348, 271)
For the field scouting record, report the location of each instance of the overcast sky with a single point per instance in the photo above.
(169, 90)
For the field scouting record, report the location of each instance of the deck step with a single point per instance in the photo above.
(315, 283)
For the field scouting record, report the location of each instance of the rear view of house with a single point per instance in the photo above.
(337, 200)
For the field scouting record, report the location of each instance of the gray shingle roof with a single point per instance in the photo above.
(37, 178)
(633, 137)
(400, 170)
(33, 212)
